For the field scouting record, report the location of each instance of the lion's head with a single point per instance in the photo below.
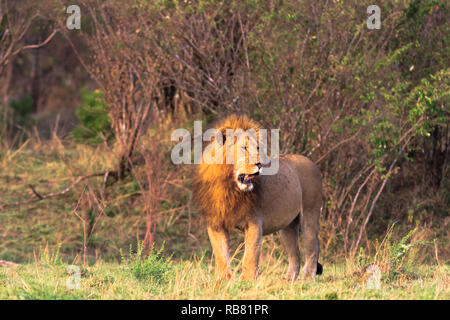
(237, 145)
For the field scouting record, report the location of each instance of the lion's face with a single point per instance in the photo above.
(247, 162)
(234, 153)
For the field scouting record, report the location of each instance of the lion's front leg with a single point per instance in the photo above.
(219, 243)
(253, 240)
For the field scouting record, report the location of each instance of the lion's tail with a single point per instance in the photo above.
(319, 269)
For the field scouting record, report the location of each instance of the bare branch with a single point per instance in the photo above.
(40, 197)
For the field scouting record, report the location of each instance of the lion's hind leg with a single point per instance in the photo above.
(310, 233)
(289, 240)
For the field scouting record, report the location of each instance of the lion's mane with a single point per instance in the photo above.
(215, 191)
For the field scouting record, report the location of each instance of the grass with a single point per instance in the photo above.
(194, 279)
(53, 166)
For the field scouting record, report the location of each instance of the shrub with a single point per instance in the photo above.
(15, 120)
(94, 119)
(153, 268)
(395, 257)
(22, 108)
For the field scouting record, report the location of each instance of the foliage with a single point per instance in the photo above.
(16, 120)
(395, 258)
(399, 251)
(94, 118)
(152, 267)
(22, 109)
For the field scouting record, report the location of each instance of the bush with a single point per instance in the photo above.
(95, 121)
(154, 267)
(22, 108)
(395, 258)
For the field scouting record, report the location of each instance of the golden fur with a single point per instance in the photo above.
(215, 192)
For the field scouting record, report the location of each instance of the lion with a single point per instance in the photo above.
(236, 196)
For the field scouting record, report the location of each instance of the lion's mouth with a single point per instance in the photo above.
(247, 178)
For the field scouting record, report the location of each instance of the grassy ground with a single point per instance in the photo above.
(64, 220)
(45, 237)
(158, 279)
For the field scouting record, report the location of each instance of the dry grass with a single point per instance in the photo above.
(46, 278)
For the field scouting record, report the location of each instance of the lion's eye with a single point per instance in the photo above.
(244, 148)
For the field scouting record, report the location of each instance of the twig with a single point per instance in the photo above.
(53, 194)
(337, 146)
(105, 180)
(35, 46)
(380, 190)
(35, 192)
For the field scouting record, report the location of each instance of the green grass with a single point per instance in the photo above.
(194, 279)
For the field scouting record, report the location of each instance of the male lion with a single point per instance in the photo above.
(235, 196)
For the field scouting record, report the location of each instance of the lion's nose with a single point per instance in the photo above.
(259, 165)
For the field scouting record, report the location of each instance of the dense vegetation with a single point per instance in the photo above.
(86, 117)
